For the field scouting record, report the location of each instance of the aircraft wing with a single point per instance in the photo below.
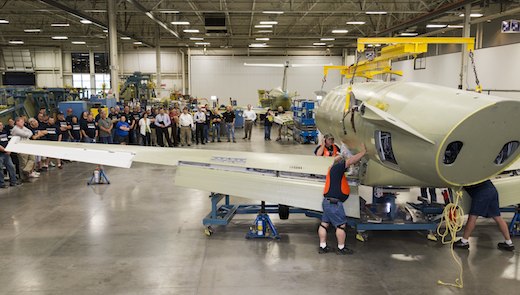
(294, 180)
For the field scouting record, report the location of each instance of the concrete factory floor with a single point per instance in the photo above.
(142, 235)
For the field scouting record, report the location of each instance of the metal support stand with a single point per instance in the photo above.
(98, 177)
(514, 226)
(263, 227)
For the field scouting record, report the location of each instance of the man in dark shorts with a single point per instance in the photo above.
(336, 192)
(484, 202)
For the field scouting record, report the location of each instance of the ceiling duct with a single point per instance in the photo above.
(215, 23)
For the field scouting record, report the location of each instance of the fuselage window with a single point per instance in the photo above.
(508, 149)
(452, 151)
(384, 147)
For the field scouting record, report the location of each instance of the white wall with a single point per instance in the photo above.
(48, 66)
(498, 68)
(144, 61)
(226, 76)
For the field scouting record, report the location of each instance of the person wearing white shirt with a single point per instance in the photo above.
(145, 130)
(200, 120)
(162, 123)
(186, 123)
(26, 162)
(249, 117)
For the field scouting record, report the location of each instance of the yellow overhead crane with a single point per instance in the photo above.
(398, 48)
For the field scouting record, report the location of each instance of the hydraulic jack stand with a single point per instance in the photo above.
(514, 226)
(98, 177)
(263, 228)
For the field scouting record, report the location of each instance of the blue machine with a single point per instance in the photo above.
(304, 130)
(77, 107)
(239, 118)
(108, 102)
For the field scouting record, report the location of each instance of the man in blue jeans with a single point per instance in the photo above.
(229, 119)
(5, 160)
(336, 192)
(484, 202)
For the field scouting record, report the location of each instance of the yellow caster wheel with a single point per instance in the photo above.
(362, 237)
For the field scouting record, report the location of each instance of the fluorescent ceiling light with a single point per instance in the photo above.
(319, 97)
(339, 31)
(327, 39)
(319, 44)
(32, 30)
(85, 22)
(257, 45)
(60, 37)
(409, 34)
(202, 43)
(181, 23)
(268, 22)
(376, 12)
(262, 39)
(168, 11)
(138, 43)
(191, 31)
(265, 31)
(16, 42)
(4, 21)
(272, 12)
(149, 14)
(355, 23)
(126, 38)
(105, 31)
(196, 38)
(79, 42)
(436, 26)
(456, 26)
(60, 25)
(263, 26)
(213, 97)
(472, 15)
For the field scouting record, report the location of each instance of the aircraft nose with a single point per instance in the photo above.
(481, 145)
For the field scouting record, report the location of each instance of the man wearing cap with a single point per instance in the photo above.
(327, 147)
(336, 192)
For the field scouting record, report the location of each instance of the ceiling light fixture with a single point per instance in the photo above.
(409, 34)
(191, 31)
(319, 44)
(4, 21)
(60, 37)
(436, 26)
(376, 12)
(85, 22)
(257, 45)
(355, 23)
(168, 11)
(126, 38)
(264, 31)
(268, 22)
(196, 38)
(138, 43)
(262, 39)
(60, 25)
(32, 30)
(272, 12)
(339, 31)
(105, 31)
(78, 42)
(327, 39)
(202, 43)
(472, 15)
(17, 42)
(263, 26)
(181, 23)
(456, 26)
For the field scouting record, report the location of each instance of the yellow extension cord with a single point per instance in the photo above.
(453, 219)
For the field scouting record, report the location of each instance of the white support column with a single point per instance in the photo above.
(158, 61)
(92, 72)
(464, 56)
(183, 71)
(189, 72)
(112, 37)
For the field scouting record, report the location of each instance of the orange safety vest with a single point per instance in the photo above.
(345, 188)
(326, 152)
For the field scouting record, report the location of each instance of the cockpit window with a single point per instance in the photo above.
(384, 147)
(452, 151)
(508, 149)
